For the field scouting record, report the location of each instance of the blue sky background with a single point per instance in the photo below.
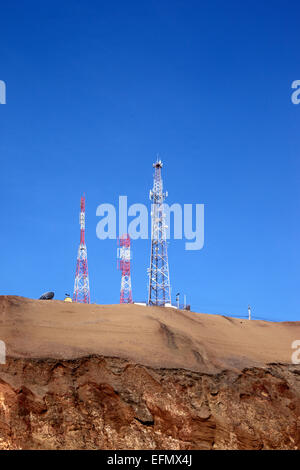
(95, 89)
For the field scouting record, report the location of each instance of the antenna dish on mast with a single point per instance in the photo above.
(158, 164)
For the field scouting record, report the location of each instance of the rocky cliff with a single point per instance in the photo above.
(61, 388)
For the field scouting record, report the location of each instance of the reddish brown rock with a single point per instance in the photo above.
(108, 403)
(182, 394)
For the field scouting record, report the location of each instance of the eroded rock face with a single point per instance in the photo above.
(109, 403)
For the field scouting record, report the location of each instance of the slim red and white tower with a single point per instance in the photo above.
(82, 286)
(124, 256)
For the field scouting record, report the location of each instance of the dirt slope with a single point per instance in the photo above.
(157, 337)
(133, 377)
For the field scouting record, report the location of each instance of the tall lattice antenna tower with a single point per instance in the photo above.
(159, 280)
(124, 256)
(82, 285)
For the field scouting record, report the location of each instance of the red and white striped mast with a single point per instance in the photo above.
(124, 256)
(82, 286)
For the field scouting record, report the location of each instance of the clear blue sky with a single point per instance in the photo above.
(95, 89)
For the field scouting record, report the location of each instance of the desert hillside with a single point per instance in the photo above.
(156, 337)
(134, 377)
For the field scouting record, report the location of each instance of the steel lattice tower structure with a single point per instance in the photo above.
(124, 256)
(81, 286)
(159, 280)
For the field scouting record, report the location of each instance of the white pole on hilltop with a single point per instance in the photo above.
(177, 300)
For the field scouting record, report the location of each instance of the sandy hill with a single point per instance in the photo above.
(132, 377)
(155, 337)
